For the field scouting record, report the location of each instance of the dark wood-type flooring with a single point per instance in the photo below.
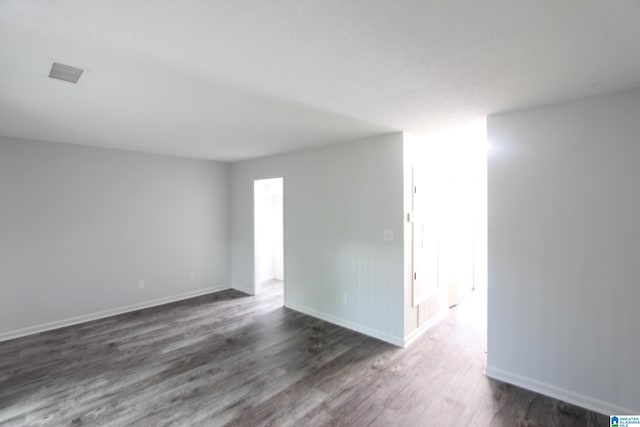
(232, 359)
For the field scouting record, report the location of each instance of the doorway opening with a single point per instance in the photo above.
(269, 237)
(448, 204)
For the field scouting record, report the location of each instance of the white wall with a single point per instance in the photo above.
(80, 226)
(338, 201)
(564, 251)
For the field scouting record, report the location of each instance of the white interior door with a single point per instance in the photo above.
(425, 234)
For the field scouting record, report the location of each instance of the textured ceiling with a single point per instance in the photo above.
(236, 79)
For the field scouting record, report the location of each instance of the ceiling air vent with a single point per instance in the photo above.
(65, 72)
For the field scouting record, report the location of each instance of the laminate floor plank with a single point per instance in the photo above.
(238, 360)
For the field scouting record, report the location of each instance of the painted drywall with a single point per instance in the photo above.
(564, 251)
(80, 226)
(338, 201)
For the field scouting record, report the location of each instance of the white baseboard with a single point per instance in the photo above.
(568, 396)
(30, 330)
(416, 333)
(242, 289)
(383, 336)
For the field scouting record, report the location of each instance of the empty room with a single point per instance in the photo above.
(319, 213)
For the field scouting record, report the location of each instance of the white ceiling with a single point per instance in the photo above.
(237, 79)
